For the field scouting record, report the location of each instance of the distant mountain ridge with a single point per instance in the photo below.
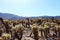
(15, 17)
(10, 16)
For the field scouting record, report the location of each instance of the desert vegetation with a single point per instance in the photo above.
(30, 29)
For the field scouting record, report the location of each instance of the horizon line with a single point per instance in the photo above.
(30, 16)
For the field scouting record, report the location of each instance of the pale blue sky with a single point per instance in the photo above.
(31, 7)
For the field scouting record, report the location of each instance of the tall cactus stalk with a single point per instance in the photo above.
(35, 32)
(41, 30)
(19, 31)
(56, 27)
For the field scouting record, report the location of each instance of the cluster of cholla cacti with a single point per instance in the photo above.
(38, 28)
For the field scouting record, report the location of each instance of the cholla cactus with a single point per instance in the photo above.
(14, 28)
(59, 30)
(46, 30)
(35, 32)
(34, 26)
(56, 28)
(1, 38)
(6, 36)
(19, 27)
(52, 24)
(41, 30)
(19, 30)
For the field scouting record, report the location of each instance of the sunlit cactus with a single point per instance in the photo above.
(19, 30)
(57, 28)
(35, 32)
(6, 36)
(1, 38)
(46, 30)
(19, 27)
(59, 31)
(52, 24)
(13, 29)
(41, 30)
